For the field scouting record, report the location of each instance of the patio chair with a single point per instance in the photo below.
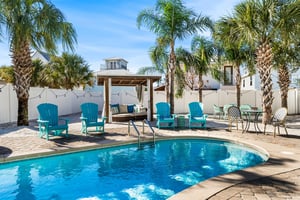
(234, 115)
(164, 117)
(244, 107)
(218, 111)
(225, 109)
(49, 122)
(196, 117)
(278, 119)
(89, 118)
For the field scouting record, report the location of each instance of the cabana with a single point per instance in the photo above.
(127, 80)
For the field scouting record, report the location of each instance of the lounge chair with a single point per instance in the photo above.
(196, 117)
(234, 115)
(278, 119)
(48, 121)
(164, 117)
(218, 111)
(89, 118)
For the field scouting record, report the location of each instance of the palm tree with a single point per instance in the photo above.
(286, 47)
(172, 21)
(38, 24)
(68, 71)
(257, 24)
(203, 51)
(234, 51)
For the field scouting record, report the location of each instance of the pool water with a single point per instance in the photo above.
(124, 172)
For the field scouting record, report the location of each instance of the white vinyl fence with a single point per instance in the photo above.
(69, 101)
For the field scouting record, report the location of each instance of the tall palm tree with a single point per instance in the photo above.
(286, 47)
(38, 24)
(172, 21)
(203, 51)
(257, 23)
(235, 51)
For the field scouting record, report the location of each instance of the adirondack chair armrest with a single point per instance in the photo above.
(205, 116)
(173, 116)
(83, 118)
(43, 122)
(104, 119)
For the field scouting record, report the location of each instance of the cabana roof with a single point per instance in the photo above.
(127, 80)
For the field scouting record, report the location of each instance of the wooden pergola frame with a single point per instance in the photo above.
(127, 80)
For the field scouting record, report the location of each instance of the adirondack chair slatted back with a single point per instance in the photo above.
(49, 112)
(196, 109)
(163, 109)
(89, 111)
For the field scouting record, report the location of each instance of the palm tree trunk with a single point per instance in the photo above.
(22, 71)
(167, 86)
(284, 83)
(238, 85)
(264, 65)
(200, 87)
(172, 65)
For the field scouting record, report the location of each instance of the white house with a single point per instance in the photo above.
(252, 82)
(114, 63)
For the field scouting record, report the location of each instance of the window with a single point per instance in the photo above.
(243, 82)
(251, 81)
(228, 75)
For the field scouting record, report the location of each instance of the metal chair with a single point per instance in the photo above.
(278, 119)
(234, 115)
(218, 111)
(244, 107)
(225, 109)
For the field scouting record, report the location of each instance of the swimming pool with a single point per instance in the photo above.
(124, 172)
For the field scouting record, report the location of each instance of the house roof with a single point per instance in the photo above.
(115, 59)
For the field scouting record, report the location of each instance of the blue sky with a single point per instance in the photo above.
(107, 28)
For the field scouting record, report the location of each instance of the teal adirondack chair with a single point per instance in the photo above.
(164, 117)
(89, 118)
(196, 117)
(49, 122)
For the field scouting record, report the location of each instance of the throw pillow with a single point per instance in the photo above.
(114, 110)
(123, 108)
(130, 108)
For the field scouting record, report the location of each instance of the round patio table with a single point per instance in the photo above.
(253, 116)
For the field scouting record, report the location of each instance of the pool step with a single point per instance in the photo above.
(145, 145)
